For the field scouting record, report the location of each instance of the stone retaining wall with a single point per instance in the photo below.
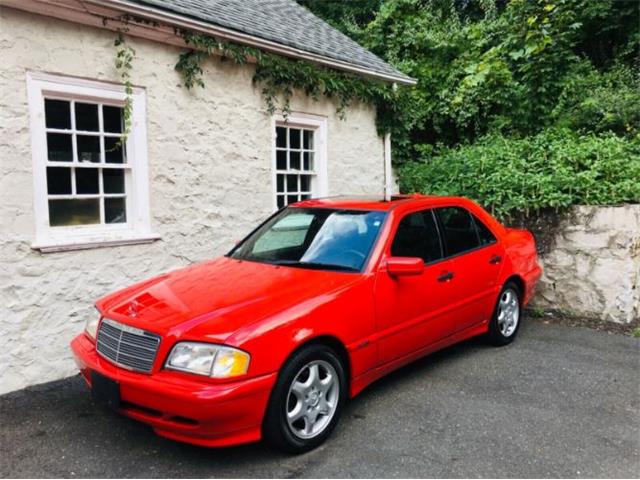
(593, 266)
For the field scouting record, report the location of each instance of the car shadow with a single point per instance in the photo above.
(59, 419)
(394, 381)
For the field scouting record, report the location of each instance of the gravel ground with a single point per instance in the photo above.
(559, 402)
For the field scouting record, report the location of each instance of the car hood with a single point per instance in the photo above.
(212, 300)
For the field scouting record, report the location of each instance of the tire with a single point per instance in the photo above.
(507, 316)
(297, 394)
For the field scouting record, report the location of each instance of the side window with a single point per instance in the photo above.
(417, 236)
(458, 229)
(484, 234)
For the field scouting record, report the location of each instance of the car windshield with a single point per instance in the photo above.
(316, 238)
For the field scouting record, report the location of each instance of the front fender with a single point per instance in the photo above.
(346, 314)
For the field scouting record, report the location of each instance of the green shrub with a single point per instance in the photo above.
(555, 168)
(598, 102)
(516, 67)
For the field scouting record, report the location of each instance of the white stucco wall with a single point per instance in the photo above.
(210, 181)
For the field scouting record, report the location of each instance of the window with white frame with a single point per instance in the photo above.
(300, 159)
(90, 182)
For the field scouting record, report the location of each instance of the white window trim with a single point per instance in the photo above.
(317, 123)
(137, 229)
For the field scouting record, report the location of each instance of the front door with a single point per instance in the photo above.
(476, 258)
(413, 311)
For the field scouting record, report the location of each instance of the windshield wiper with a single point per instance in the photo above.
(315, 266)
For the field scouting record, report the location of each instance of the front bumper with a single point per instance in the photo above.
(182, 408)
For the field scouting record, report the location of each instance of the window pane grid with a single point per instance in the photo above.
(73, 181)
(295, 166)
(83, 132)
(102, 154)
(80, 197)
(106, 166)
(74, 139)
(101, 181)
(86, 195)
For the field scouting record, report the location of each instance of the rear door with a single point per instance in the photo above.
(411, 311)
(476, 258)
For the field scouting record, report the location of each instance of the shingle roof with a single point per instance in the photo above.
(283, 22)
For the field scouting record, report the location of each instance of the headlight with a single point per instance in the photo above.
(207, 359)
(91, 326)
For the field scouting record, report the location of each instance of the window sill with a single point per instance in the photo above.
(51, 246)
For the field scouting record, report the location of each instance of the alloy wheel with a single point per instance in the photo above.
(312, 399)
(508, 312)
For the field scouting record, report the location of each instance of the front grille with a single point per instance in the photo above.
(126, 346)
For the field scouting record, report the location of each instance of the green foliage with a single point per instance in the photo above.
(536, 312)
(349, 17)
(124, 64)
(502, 67)
(598, 102)
(555, 168)
(520, 104)
(190, 67)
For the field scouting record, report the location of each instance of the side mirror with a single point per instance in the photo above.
(401, 266)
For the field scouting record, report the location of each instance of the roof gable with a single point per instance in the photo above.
(283, 22)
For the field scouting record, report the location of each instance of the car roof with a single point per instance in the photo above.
(378, 202)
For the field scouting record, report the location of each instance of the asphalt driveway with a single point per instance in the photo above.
(561, 402)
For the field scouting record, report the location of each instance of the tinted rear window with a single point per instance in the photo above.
(484, 234)
(458, 229)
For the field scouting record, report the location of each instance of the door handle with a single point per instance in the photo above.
(495, 259)
(445, 277)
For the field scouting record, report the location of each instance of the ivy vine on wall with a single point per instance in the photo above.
(124, 64)
(277, 76)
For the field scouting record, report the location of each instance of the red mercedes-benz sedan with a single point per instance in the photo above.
(319, 301)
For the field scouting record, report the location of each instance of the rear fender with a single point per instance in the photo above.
(520, 248)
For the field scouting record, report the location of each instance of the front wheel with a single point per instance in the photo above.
(307, 400)
(505, 322)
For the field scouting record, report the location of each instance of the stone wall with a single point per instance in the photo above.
(593, 266)
(210, 181)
